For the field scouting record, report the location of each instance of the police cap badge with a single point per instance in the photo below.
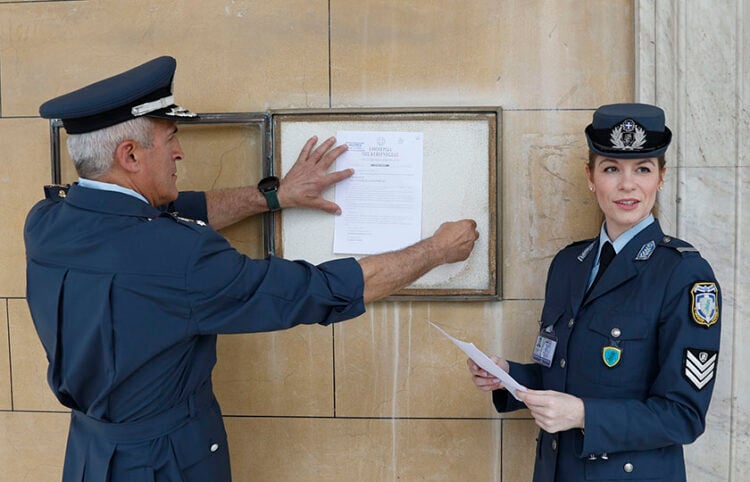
(628, 131)
(145, 90)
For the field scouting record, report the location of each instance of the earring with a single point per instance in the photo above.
(591, 188)
(661, 186)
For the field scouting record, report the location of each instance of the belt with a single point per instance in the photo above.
(152, 427)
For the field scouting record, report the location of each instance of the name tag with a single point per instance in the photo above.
(544, 350)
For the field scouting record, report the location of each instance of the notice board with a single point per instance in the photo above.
(460, 180)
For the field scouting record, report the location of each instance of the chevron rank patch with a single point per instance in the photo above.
(699, 366)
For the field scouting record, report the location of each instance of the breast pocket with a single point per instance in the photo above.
(622, 346)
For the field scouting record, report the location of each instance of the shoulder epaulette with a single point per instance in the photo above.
(56, 191)
(195, 223)
(582, 241)
(191, 221)
(678, 245)
(590, 245)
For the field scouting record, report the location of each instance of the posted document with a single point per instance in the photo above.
(381, 203)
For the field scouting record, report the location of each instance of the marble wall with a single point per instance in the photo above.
(692, 58)
(384, 397)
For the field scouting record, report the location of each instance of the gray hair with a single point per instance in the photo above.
(93, 152)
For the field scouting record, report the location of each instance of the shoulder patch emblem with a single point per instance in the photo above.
(699, 366)
(705, 303)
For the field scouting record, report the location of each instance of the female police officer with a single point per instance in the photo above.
(625, 360)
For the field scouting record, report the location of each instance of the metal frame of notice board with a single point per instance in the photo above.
(450, 175)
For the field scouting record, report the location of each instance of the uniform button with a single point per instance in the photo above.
(615, 332)
(554, 445)
(628, 467)
(571, 322)
(214, 447)
(563, 363)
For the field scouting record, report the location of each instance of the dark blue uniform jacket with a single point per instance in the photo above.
(127, 301)
(653, 398)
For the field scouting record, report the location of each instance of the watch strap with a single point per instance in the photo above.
(272, 200)
(268, 187)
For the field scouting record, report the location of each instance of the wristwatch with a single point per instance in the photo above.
(268, 186)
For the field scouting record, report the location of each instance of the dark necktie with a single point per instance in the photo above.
(606, 256)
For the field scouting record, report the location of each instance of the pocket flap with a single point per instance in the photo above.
(201, 437)
(633, 326)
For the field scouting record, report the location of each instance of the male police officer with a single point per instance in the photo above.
(128, 298)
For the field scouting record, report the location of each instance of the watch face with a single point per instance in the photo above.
(268, 184)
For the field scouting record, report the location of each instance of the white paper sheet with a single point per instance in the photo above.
(381, 203)
(485, 363)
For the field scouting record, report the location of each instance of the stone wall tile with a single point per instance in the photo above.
(29, 363)
(285, 373)
(708, 85)
(739, 346)
(32, 446)
(519, 449)
(244, 55)
(5, 382)
(24, 170)
(282, 449)
(392, 363)
(545, 196)
(482, 53)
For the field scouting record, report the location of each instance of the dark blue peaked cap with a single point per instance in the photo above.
(628, 131)
(145, 90)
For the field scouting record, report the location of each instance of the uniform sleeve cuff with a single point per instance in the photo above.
(346, 282)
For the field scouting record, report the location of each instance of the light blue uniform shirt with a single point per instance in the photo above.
(105, 186)
(618, 244)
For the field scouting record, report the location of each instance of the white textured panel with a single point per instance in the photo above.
(455, 186)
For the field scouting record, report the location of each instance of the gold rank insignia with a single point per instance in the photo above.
(705, 303)
(56, 191)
